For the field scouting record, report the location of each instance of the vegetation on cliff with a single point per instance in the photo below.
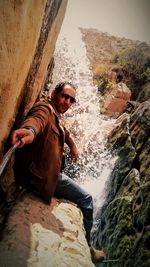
(124, 226)
(134, 67)
(115, 59)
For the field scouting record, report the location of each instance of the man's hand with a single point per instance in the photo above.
(74, 152)
(25, 136)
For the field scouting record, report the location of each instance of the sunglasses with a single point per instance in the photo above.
(72, 99)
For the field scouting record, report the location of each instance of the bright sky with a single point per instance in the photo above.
(124, 18)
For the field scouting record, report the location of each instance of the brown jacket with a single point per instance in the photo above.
(42, 158)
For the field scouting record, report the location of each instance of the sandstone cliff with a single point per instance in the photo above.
(28, 31)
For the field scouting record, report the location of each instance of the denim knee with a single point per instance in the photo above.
(87, 202)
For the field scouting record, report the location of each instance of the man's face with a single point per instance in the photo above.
(64, 100)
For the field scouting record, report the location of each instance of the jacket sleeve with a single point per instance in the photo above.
(37, 118)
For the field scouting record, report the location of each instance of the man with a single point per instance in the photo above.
(39, 162)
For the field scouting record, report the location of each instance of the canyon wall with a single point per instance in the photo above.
(123, 224)
(28, 34)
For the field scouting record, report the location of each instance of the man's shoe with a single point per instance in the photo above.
(97, 255)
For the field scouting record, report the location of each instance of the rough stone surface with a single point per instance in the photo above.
(27, 42)
(124, 225)
(18, 43)
(144, 94)
(38, 234)
(52, 20)
(115, 100)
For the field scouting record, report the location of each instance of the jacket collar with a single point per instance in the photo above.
(54, 109)
(58, 115)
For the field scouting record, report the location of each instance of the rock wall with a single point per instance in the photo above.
(144, 94)
(28, 31)
(124, 225)
(115, 100)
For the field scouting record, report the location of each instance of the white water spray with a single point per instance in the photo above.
(84, 121)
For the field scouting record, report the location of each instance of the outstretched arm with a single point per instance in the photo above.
(33, 125)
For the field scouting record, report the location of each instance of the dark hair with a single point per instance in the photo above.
(59, 86)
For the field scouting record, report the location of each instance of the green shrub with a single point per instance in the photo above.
(103, 85)
(135, 67)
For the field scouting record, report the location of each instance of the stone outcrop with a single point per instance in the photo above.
(115, 99)
(28, 35)
(144, 94)
(124, 227)
(38, 234)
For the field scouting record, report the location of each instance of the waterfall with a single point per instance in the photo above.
(88, 127)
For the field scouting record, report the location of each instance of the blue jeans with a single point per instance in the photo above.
(68, 189)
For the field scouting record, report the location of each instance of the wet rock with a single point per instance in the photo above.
(144, 94)
(124, 225)
(121, 145)
(116, 228)
(38, 234)
(144, 161)
(140, 125)
(131, 106)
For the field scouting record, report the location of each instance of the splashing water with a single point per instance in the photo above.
(84, 121)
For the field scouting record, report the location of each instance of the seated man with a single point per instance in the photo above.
(42, 137)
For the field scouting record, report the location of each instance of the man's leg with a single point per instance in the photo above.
(68, 189)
